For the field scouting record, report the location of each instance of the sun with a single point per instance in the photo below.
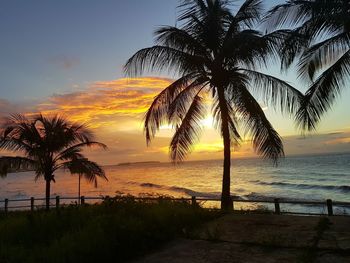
(208, 122)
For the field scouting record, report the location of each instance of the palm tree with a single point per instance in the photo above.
(321, 40)
(86, 174)
(215, 54)
(46, 145)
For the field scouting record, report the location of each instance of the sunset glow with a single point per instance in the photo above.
(115, 110)
(82, 79)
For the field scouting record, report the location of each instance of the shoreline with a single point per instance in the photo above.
(272, 206)
(302, 179)
(233, 159)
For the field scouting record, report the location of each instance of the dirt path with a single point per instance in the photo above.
(262, 238)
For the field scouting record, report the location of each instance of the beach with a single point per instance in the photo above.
(256, 238)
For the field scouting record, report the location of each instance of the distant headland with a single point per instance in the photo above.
(135, 163)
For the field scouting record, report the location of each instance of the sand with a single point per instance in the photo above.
(261, 238)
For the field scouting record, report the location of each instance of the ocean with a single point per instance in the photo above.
(318, 178)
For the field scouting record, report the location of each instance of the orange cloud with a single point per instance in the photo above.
(104, 101)
(114, 109)
(335, 141)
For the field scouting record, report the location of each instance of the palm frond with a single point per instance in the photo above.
(179, 106)
(294, 44)
(58, 133)
(19, 134)
(180, 39)
(249, 13)
(291, 13)
(274, 92)
(14, 144)
(80, 133)
(322, 54)
(188, 132)
(266, 141)
(13, 164)
(208, 21)
(251, 49)
(321, 95)
(192, 8)
(73, 151)
(157, 115)
(88, 169)
(162, 58)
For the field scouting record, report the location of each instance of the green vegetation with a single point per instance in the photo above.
(117, 230)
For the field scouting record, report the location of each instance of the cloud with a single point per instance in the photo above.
(64, 61)
(340, 140)
(335, 133)
(332, 142)
(7, 107)
(107, 101)
(115, 109)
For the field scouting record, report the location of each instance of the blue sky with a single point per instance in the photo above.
(52, 46)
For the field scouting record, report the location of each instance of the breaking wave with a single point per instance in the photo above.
(342, 188)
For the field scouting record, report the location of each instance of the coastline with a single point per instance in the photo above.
(312, 178)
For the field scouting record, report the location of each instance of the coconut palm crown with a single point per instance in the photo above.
(215, 54)
(47, 144)
(320, 40)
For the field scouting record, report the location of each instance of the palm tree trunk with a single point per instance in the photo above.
(47, 196)
(226, 202)
(79, 190)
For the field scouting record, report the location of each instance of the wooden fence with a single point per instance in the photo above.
(57, 202)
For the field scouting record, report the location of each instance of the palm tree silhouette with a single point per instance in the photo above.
(86, 173)
(46, 145)
(215, 54)
(321, 40)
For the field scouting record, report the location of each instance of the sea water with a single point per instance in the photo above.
(311, 178)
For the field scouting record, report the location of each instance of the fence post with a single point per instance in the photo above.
(193, 201)
(330, 207)
(6, 205)
(57, 202)
(277, 206)
(32, 204)
(232, 203)
(82, 200)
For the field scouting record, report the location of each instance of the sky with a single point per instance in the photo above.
(67, 57)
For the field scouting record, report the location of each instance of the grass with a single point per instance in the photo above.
(118, 230)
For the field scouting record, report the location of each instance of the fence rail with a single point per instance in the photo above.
(328, 204)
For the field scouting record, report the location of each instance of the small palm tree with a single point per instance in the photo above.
(215, 54)
(321, 40)
(46, 145)
(85, 172)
